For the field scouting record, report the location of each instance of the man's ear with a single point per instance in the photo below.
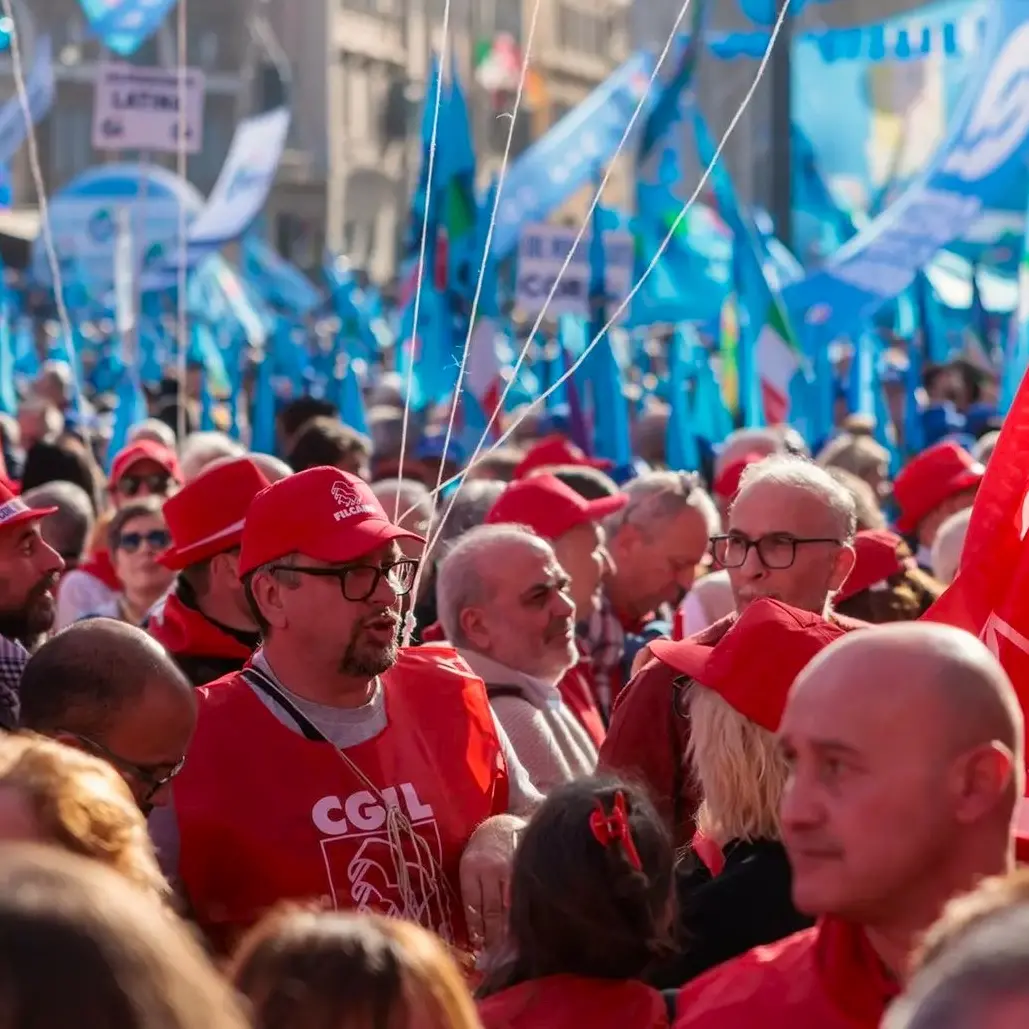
(843, 566)
(269, 594)
(474, 629)
(980, 779)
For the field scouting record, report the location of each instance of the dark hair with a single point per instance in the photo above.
(122, 517)
(297, 413)
(578, 907)
(909, 594)
(325, 441)
(64, 460)
(87, 673)
(590, 483)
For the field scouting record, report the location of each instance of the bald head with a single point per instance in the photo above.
(84, 676)
(907, 758)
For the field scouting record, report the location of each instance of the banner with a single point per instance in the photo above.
(542, 251)
(238, 196)
(568, 156)
(39, 88)
(125, 25)
(979, 161)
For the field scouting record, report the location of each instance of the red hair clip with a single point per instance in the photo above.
(614, 828)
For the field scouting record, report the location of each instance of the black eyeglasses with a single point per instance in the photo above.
(155, 485)
(151, 777)
(776, 551)
(359, 582)
(157, 539)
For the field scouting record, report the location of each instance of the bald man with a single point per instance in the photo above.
(906, 754)
(111, 690)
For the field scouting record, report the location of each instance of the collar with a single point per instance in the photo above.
(852, 973)
(538, 692)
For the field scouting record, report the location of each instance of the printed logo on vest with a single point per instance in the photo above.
(364, 868)
(349, 501)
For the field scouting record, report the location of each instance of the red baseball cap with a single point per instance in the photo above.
(550, 507)
(932, 477)
(206, 517)
(144, 450)
(553, 451)
(755, 663)
(878, 557)
(14, 510)
(727, 483)
(322, 513)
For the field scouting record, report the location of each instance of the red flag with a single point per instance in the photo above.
(989, 596)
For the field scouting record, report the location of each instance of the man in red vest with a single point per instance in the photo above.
(336, 767)
(206, 623)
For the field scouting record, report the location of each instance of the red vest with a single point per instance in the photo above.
(576, 690)
(181, 630)
(267, 815)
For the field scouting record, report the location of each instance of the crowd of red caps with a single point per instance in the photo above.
(424, 809)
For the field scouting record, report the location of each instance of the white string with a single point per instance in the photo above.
(462, 475)
(182, 329)
(438, 529)
(409, 628)
(409, 387)
(36, 170)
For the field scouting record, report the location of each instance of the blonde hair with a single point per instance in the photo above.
(855, 452)
(302, 968)
(738, 768)
(82, 805)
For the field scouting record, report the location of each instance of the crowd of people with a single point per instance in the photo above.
(545, 750)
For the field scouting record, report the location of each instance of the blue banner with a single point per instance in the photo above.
(125, 25)
(237, 199)
(980, 160)
(39, 88)
(566, 158)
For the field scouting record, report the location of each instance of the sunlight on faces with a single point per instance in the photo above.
(527, 621)
(883, 780)
(582, 553)
(135, 558)
(358, 639)
(29, 571)
(768, 508)
(142, 479)
(656, 561)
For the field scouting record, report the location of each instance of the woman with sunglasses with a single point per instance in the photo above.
(136, 535)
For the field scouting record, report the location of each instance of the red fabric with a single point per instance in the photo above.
(877, 558)
(434, 633)
(266, 815)
(206, 516)
(181, 630)
(144, 450)
(573, 1002)
(577, 692)
(14, 510)
(727, 484)
(737, 667)
(555, 451)
(322, 513)
(100, 566)
(709, 852)
(549, 507)
(932, 477)
(828, 977)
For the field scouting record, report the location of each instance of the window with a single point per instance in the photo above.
(584, 31)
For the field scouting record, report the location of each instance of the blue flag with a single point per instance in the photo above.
(39, 87)
(125, 25)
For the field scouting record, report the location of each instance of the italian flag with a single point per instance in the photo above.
(778, 359)
(483, 371)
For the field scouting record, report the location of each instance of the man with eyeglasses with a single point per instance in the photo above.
(789, 538)
(337, 767)
(107, 688)
(205, 622)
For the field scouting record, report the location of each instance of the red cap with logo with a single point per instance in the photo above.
(322, 513)
(755, 663)
(550, 507)
(207, 516)
(878, 557)
(144, 450)
(935, 475)
(14, 510)
(554, 451)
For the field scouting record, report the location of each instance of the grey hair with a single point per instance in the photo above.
(655, 497)
(466, 510)
(278, 569)
(460, 581)
(800, 473)
(68, 529)
(413, 495)
(199, 449)
(737, 445)
(155, 429)
(988, 965)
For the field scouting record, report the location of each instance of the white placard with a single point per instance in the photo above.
(542, 250)
(138, 109)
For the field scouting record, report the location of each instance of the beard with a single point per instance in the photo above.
(369, 657)
(35, 616)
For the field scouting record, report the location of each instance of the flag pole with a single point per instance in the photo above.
(782, 130)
